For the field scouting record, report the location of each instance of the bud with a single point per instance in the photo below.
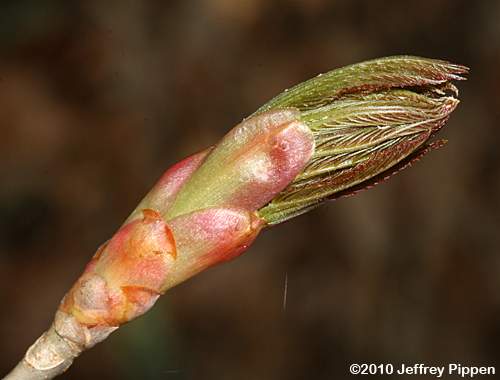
(367, 120)
(327, 137)
(200, 212)
(330, 136)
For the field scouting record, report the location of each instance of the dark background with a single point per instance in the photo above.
(98, 98)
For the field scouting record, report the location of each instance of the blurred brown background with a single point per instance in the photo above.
(98, 98)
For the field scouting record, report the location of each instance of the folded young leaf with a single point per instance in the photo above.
(365, 119)
(370, 76)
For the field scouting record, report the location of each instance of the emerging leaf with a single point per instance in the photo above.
(365, 119)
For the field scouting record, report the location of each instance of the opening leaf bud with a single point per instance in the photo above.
(368, 120)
